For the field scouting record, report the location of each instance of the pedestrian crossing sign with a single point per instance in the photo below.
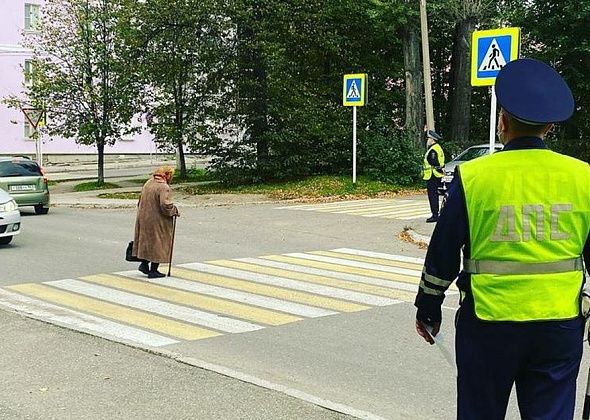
(490, 51)
(355, 90)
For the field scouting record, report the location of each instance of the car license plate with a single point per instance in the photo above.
(22, 188)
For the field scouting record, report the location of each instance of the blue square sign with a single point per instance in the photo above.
(491, 51)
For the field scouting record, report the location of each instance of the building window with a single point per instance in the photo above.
(31, 17)
(29, 131)
(29, 72)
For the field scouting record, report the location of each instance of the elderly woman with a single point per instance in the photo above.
(153, 225)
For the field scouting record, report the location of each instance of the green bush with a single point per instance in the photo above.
(391, 159)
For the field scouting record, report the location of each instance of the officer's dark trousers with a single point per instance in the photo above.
(542, 358)
(432, 187)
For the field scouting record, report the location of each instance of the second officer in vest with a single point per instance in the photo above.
(521, 217)
(434, 162)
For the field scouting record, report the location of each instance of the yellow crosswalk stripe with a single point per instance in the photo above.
(111, 311)
(221, 306)
(372, 260)
(344, 269)
(272, 291)
(317, 279)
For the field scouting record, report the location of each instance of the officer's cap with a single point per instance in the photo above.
(533, 92)
(434, 135)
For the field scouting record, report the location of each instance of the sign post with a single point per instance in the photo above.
(36, 118)
(354, 93)
(490, 51)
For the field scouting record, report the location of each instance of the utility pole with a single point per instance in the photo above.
(426, 65)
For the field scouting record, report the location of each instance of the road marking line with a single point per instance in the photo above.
(235, 269)
(156, 306)
(339, 261)
(260, 285)
(68, 318)
(333, 204)
(390, 284)
(399, 214)
(200, 282)
(168, 289)
(366, 290)
(381, 209)
(372, 260)
(380, 255)
(411, 279)
(111, 311)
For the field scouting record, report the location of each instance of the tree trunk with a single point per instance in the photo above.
(460, 83)
(100, 150)
(181, 159)
(414, 125)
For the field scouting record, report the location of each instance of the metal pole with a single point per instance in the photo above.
(354, 144)
(172, 244)
(493, 114)
(426, 65)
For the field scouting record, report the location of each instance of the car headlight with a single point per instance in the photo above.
(9, 206)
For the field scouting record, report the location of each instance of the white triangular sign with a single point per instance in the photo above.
(353, 92)
(494, 59)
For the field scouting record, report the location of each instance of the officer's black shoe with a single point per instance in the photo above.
(155, 275)
(144, 268)
(432, 219)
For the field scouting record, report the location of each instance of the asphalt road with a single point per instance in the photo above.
(368, 361)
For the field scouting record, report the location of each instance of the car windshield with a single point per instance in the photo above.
(472, 153)
(19, 168)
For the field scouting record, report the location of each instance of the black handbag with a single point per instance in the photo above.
(129, 253)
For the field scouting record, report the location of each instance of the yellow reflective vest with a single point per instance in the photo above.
(529, 218)
(428, 169)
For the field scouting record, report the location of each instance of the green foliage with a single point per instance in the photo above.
(315, 187)
(391, 158)
(91, 186)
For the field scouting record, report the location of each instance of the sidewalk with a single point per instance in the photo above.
(114, 167)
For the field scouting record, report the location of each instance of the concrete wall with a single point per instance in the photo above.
(12, 122)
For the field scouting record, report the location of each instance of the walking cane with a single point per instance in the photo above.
(172, 244)
(586, 411)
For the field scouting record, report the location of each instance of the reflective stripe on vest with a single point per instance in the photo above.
(512, 267)
(529, 218)
(428, 169)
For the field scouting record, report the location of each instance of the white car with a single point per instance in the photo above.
(471, 153)
(9, 218)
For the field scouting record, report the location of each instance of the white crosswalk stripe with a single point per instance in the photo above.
(205, 300)
(249, 298)
(382, 208)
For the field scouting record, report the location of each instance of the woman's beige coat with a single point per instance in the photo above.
(153, 225)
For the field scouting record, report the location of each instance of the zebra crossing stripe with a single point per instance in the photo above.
(411, 279)
(328, 287)
(302, 274)
(379, 209)
(333, 204)
(267, 286)
(356, 264)
(194, 281)
(333, 274)
(380, 255)
(107, 310)
(159, 307)
(371, 260)
(80, 321)
(399, 213)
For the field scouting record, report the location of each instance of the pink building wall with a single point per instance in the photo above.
(12, 122)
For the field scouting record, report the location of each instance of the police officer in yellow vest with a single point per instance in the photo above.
(434, 162)
(522, 219)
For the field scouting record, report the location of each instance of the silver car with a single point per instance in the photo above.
(466, 155)
(9, 218)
